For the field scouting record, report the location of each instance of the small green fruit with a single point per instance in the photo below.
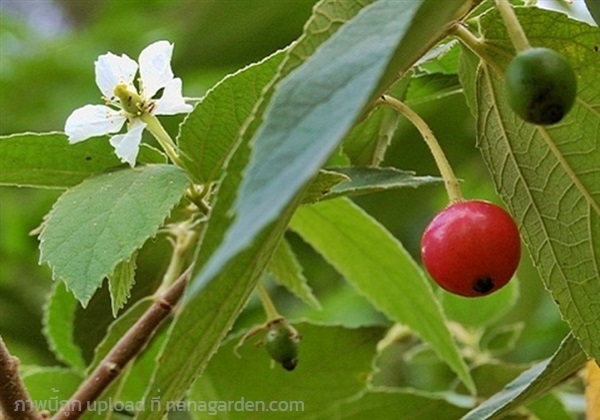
(281, 343)
(540, 86)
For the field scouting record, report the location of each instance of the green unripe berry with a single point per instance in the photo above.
(540, 86)
(281, 342)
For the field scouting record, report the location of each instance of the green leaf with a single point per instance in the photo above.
(49, 387)
(377, 265)
(534, 382)
(548, 176)
(321, 185)
(208, 315)
(317, 105)
(120, 283)
(102, 221)
(133, 380)
(206, 318)
(59, 316)
(381, 403)
(502, 338)
(118, 328)
(49, 161)
(483, 310)
(432, 87)
(333, 360)
(368, 141)
(210, 133)
(370, 180)
(287, 271)
(549, 407)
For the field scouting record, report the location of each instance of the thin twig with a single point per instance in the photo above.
(129, 346)
(15, 402)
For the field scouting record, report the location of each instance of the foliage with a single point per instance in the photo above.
(290, 168)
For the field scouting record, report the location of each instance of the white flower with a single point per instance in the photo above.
(115, 78)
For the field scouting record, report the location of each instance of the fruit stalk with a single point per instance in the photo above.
(514, 28)
(450, 181)
(267, 303)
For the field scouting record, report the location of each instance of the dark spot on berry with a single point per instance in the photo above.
(289, 364)
(596, 48)
(483, 285)
(88, 158)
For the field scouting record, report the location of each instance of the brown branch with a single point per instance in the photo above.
(129, 346)
(15, 402)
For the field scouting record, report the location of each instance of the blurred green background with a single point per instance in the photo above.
(46, 71)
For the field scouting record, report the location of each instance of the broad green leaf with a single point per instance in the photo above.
(377, 265)
(548, 176)
(381, 403)
(334, 364)
(370, 180)
(205, 319)
(200, 326)
(120, 283)
(534, 382)
(209, 134)
(49, 161)
(103, 220)
(287, 271)
(480, 311)
(317, 105)
(59, 315)
(49, 387)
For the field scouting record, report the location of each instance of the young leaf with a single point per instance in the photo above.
(287, 270)
(322, 185)
(59, 315)
(370, 180)
(317, 105)
(333, 360)
(49, 161)
(103, 220)
(535, 382)
(377, 265)
(120, 283)
(548, 176)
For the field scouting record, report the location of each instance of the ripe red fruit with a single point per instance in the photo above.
(471, 248)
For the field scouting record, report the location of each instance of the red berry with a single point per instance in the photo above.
(471, 248)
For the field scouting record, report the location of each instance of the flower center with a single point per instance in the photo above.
(131, 101)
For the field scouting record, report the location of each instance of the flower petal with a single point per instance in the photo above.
(127, 145)
(155, 67)
(112, 70)
(93, 120)
(172, 101)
